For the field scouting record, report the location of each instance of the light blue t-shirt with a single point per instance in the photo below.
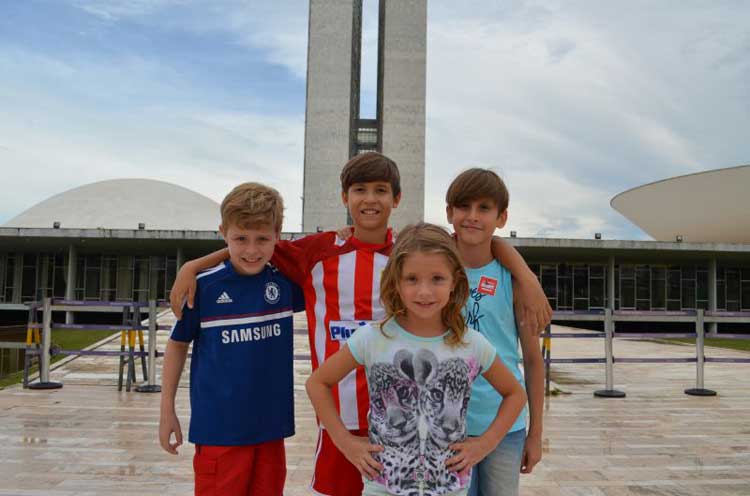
(489, 310)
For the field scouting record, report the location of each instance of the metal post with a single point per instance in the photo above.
(610, 391)
(151, 387)
(713, 327)
(700, 332)
(44, 362)
(71, 282)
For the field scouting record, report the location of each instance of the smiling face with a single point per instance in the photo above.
(475, 221)
(249, 249)
(425, 288)
(370, 205)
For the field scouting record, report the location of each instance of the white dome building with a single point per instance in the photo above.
(707, 207)
(124, 204)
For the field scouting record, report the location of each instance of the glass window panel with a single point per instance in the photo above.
(673, 305)
(745, 300)
(658, 291)
(673, 285)
(720, 272)
(549, 280)
(552, 303)
(28, 279)
(643, 305)
(564, 293)
(733, 285)
(563, 270)
(688, 272)
(745, 274)
(581, 304)
(627, 271)
(688, 294)
(702, 304)
(596, 270)
(581, 281)
(124, 277)
(721, 297)
(643, 282)
(702, 285)
(596, 296)
(627, 293)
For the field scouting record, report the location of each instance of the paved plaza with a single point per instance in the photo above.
(89, 439)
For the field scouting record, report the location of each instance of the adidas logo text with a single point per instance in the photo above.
(224, 298)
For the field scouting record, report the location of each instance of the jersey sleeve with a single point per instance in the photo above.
(186, 329)
(484, 350)
(359, 344)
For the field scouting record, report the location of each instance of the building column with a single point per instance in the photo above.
(70, 282)
(713, 327)
(611, 283)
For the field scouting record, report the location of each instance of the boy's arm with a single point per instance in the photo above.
(532, 308)
(533, 371)
(174, 361)
(356, 449)
(183, 288)
(474, 449)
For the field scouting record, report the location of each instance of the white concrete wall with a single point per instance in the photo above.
(404, 42)
(328, 110)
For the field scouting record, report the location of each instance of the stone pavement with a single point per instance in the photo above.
(89, 439)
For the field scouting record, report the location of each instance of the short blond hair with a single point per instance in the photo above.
(252, 205)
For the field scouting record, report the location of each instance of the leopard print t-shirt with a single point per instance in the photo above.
(419, 393)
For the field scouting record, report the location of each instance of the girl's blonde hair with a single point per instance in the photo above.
(426, 238)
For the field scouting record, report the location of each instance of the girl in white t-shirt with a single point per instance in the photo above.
(420, 364)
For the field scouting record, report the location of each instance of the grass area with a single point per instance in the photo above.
(731, 344)
(68, 339)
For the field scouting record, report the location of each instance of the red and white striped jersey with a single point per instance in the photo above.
(341, 283)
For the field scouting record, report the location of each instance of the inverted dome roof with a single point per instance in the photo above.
(123, 204)
(709, 206)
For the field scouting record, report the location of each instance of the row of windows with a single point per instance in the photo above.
(98, 277)
(642, 287)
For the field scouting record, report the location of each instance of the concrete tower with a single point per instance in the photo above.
(334, 131)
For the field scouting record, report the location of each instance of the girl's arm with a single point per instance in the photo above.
(356, 449)
(184, 284)
(474, 449)
(533, 371)
(531, 305)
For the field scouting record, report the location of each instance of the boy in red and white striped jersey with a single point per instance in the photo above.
(341, 280)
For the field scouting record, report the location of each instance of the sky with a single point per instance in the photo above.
(571, 102)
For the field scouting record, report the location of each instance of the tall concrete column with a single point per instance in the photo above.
(402, 68)
(70, 283)
(713, 327)
(611, 283)
(332, 108)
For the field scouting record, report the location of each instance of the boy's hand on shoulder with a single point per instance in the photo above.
(358, 451)
(345, 232)
(168, 424)
(533, 311)
(469, 453)
(183, 289)
(532, 453)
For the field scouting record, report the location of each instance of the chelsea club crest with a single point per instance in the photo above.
(272, 293)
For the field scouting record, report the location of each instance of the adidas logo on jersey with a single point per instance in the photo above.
(224, 298)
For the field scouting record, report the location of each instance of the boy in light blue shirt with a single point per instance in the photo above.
(477, 203)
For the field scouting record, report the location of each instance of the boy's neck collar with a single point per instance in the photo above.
(475, 256)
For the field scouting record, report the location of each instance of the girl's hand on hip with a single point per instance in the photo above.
(469, 453)
(358, 451)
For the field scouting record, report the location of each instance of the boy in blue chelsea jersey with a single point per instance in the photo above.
(241, 382)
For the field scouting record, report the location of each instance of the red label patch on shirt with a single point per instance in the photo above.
(487, 285)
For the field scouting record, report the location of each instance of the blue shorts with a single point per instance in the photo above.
(499, 473)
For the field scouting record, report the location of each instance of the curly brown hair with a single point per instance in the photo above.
(426, 238)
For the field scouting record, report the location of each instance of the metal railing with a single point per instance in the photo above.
(609, 319)
(131, 327)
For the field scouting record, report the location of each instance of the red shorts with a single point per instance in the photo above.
(334, 475)
(258, 469)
